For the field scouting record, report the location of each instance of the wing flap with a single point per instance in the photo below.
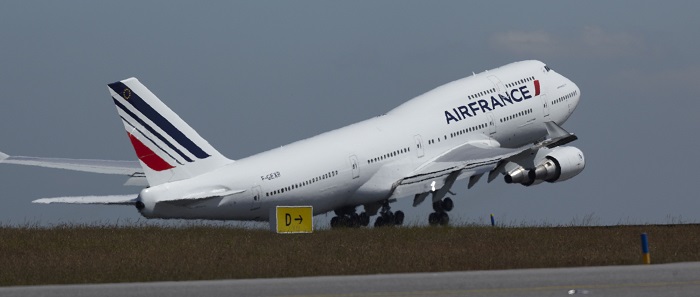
(102, 200)
(557, 136)
(479, 152)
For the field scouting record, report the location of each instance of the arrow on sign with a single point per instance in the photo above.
(300, 219)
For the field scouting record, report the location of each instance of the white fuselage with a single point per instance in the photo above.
(341, 168)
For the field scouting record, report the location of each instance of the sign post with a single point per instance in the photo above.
(646, 258)
(292, 219)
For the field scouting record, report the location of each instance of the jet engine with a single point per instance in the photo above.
(559, 164)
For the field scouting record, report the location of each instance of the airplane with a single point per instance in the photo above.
(504, 121)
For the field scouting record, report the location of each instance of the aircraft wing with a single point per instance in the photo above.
(132, 169)
(471, 159)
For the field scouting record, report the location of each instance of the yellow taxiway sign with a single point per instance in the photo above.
(294, 219)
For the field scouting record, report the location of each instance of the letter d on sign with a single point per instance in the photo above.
(292, 219)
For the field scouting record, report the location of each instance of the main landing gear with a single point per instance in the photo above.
(347, 217)
(388, 218)
(440, 215)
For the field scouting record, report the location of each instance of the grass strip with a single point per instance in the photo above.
(94, 254)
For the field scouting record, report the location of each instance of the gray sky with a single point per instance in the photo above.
(251, 76)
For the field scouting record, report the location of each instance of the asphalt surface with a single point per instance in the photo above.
(678, 279)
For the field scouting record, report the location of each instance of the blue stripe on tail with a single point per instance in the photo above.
(155, 117)
(150, 129)
(149, 139)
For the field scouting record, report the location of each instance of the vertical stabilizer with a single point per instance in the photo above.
(168, 148)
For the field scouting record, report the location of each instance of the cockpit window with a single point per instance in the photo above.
(547, 68)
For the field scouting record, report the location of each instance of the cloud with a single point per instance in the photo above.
(595, 39)
(535, 42)
(645, 81)
(589, 41)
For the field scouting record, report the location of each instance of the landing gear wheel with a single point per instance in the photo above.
(354, 220)
(448, 204)
(343, 221)
(388, 218)
(379, 222)
(398, 218)
(433, 219)
(364, 219)
(334, 222)
(444, 219)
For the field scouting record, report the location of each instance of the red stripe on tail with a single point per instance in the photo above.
(537, 87)
(147, 156)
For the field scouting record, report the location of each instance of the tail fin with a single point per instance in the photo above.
(168, 148)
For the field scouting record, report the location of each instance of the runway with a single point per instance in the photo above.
(678, 279)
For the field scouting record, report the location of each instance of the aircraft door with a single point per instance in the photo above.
(257, 199)
(492, 124)
(545, 105)
(419, 146)
(355, 167)
(497, 83)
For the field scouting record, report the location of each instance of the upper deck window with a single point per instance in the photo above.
(547, 68)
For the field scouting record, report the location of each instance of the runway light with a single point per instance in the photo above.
(578, 291)
(493, 221)
(646, 258)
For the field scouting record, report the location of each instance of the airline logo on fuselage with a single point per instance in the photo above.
(485, 105)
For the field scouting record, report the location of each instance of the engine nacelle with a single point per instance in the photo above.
(560, 164)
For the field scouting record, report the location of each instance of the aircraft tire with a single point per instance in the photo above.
(334, 222)
(364, 219)
(344, 221)
(444, 219)
(398, 218)
(448, 204)
(379, 222)
(354, 221)
(433, 219)
(388, 218)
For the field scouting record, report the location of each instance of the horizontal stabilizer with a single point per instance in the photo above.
(204, 194)
(96, 166)
(104, 200)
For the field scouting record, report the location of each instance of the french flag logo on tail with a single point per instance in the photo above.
(168, 148)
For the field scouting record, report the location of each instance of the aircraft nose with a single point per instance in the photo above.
(577, 91)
